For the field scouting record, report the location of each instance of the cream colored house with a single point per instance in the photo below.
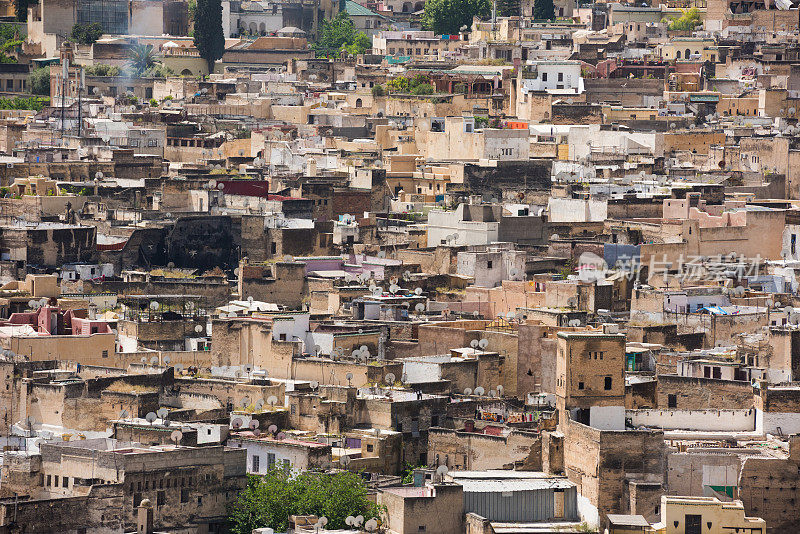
(706, 515)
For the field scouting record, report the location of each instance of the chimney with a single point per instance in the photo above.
(144, 517)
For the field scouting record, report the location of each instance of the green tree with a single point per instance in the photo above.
(21, 10)
(86, 34)
(268, 501)
(141, 58)
(39, 81)
(9, 42)
(423, 89)
(449, 16)
(544, 10)
(688, 21)
(340, 33)
(208, 36)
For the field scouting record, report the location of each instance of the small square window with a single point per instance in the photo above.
(580, 385)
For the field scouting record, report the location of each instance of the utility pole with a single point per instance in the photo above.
(64, 85)
(80, 79)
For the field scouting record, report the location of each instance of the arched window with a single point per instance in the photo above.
(359, 103)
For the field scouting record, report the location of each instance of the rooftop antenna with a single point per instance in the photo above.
(349, 377)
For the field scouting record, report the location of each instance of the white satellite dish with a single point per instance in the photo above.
(479, 391)
(483, 343)
(390, 378)
(150, 417)
(468, 392)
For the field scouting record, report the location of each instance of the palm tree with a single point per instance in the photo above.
(141, 58)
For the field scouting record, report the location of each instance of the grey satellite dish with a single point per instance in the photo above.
(390, 378)
(198, 328)
(474, 343)
(272, 400)
(259, 404)
(272, 429)
(483, 343)
(314, 384)
(476, 313)
(468, 392)
(253, 424)
(162, 413)
(153, 360)
(499, 391)
(280, 436)
(359, 520)
(420, 307)
(442, 470)
(237, 423)
(245, 402)
(167, 359)
(256, 432)
(150, 417)
(344, 460)
(418, 291)
(179, 367)
(154, 305)
(479, 391)
(176, 436)
(350, 521)
(371, 525)
(349, 376)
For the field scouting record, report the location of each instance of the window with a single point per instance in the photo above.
(134, 143)
(544, 76)
(489, 264)
(580, 385)
(270, 460)
(184, 495)
(152, 142)
(256, 462)
(161, 498)
(370, 448)
(672, 401)
(421, 528)
(693, 524)
(560, 76)
(105, 354)
(608, 383)
(137, 499)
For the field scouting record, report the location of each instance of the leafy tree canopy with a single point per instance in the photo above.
(340, 33)
(268, 501)
(544, 10)
(39, 81)
(449, 16)
(86, 33)
(208, 35)
(688, 21)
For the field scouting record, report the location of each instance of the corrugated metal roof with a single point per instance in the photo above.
(499, 486)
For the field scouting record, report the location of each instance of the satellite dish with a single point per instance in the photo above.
(179, 367)
(474, 343)
(483, 343)
(154, 305)
(272, 429)
(272, 400)
(253, 424)
(390, 378)
(288, 258)
(167, 359)
(198, 328)
(256, 432)
(322, 521)
(371, 525)
(420, 307)
(245, 402)
(499, 391)
(468, 392)
(418, 291)
(150, 417)
(237, 423)
(344, 460)
(248, 368)
(349, 376)
(154, 360)
(280, 436)
(479, 391)
(162, 413)
(259, 404)
(349, 521)
(176, 436)
(442, 470)
(382, 254)
(359, 520)
(314, 384)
